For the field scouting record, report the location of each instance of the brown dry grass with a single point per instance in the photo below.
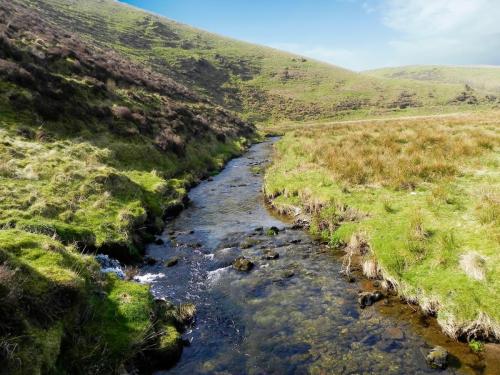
(399, 154)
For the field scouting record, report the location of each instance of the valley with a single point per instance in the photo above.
(173, 200)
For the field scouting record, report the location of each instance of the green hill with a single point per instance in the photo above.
(481, 78)
(259, 83)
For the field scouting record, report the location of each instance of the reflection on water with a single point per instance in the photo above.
(291, 315)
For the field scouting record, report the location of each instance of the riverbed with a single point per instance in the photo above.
(294, 314)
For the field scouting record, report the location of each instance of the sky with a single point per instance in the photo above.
(355, 34)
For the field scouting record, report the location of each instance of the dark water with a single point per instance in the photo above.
(293, 315)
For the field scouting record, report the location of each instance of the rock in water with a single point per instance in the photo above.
(243, 264)
(368, 298)
(172, 262)
(270, 254)
(273, 231)
(287, 274)
(437, 358)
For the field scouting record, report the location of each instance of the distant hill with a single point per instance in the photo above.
(259, 83)
(481, 78)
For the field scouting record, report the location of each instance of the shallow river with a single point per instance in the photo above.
(291, 315)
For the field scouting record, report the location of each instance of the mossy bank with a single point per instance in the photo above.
(95, 150)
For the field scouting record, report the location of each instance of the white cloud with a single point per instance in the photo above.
(338, 56)
(423, 32)
(443, 31)
(430, 17)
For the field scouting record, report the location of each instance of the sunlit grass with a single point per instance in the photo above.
(428, 190)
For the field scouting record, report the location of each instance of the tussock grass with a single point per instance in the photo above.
(427, 190)
(400, 156)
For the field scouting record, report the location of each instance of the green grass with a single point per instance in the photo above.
(50, 295)
(261, 84)
(63, 316)
(482, 78)
(421, 213)
(81, 193)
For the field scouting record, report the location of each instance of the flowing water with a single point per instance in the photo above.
(291, 315)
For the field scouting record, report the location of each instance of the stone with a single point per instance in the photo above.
(149, 260)
(287, 274)
(243, 264)
(369, 298)
(437, 358)
(159, 241)
(248, 243)
(394, 333)
(270, 254)
(273, 231)
(171, 262)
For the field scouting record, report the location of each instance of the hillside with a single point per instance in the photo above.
(260, 83)
(95, 150)
(480, 78)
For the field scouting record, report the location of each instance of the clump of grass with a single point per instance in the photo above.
(474, 265)
(488, 209)
(476, 346)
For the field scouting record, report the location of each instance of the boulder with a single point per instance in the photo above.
(437, 358)
(270, 254)
(171, 262)
(243, 264)
(369, 298)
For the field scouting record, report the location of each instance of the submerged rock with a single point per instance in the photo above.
(149, 260)
(270, 254)
(171, 262)
(243, 264)
(273, 231)
(394, 333)
(437, 358)
(159, 241)
(369, 298)
(248, 243)
(287, 274)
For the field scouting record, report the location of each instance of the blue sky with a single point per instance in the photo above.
(356, 34)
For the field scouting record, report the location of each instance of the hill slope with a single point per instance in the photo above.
(259, 83)
(94, 151)
(481, 78)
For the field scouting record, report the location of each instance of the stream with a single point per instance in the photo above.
(291, 315)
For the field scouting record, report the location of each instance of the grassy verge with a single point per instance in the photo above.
(59, 197)
(415, 202)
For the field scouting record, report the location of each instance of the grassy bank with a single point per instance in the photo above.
(59, 200)
(95, 150)
(415, 202)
